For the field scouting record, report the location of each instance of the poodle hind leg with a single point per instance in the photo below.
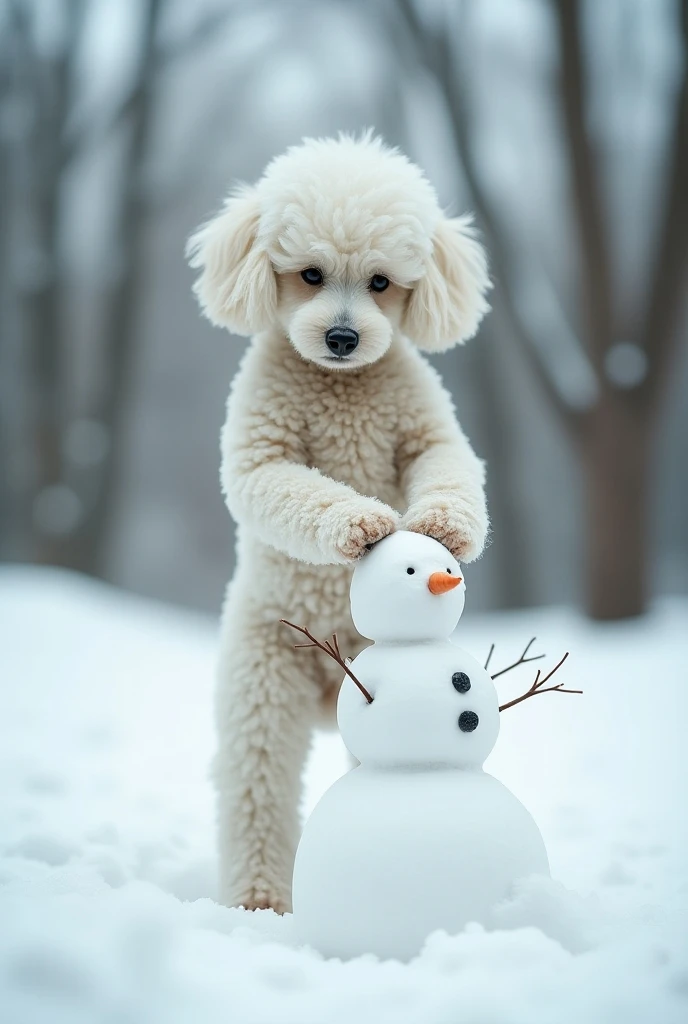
(265, 706)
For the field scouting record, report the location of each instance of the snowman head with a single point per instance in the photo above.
(407, 588)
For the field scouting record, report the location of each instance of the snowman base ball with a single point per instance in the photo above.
(387, 857)
(418, 837)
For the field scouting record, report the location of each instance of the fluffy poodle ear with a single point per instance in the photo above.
(448, 303)
(237, 287)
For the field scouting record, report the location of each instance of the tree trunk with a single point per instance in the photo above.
(616, 471)
(41, 319)
(514, 584)
(43, 85)
(6, 325)
(91, 543)
(38, 286)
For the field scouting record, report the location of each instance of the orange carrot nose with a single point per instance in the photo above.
(442, 582)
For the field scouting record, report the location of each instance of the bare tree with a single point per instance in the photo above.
(122, 303)
(66, 505)
(41, 86)
(6, 524)
(609, 412)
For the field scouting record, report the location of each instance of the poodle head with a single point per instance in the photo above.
(342, 243)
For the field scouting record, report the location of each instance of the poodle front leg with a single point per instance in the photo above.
(442, 478)
(266, 703)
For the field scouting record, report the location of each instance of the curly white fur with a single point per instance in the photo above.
(322, 456)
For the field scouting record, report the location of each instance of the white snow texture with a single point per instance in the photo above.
(106, 866)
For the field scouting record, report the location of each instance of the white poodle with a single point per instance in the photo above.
(342, 265)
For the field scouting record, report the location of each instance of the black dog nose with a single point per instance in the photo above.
(341, 340)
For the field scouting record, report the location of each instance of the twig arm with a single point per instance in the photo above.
(331, 649)
(539, 687)
(489, 656)
(523, 660)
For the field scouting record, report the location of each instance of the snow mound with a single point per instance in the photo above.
(106, 842)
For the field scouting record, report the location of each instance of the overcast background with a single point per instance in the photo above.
(563, 124)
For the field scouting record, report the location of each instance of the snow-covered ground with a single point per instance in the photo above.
(106, 839)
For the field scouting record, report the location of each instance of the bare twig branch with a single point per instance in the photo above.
(489, 656)
(331, 648)
(523, 660)
(539, 686)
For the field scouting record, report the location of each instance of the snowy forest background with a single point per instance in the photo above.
(562, 124)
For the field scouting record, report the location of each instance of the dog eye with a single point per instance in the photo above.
(378, 283)
(312, 276)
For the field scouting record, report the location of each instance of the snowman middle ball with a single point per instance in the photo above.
(417, 837)
(433, 706)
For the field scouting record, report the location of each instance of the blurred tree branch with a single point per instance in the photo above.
(121, 306)
(40, 97)
(434, 49)
(66, 508)
(93, 128)
(202, 32)
(610, 415)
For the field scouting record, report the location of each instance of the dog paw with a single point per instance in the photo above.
(266, 903)
(256, 897)
(365, 527)
(459, 527)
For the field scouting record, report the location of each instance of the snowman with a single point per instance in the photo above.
(417, 837)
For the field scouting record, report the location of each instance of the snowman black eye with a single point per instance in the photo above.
(468, 721)
(410, 571)
(461, 682)
(449, 571)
